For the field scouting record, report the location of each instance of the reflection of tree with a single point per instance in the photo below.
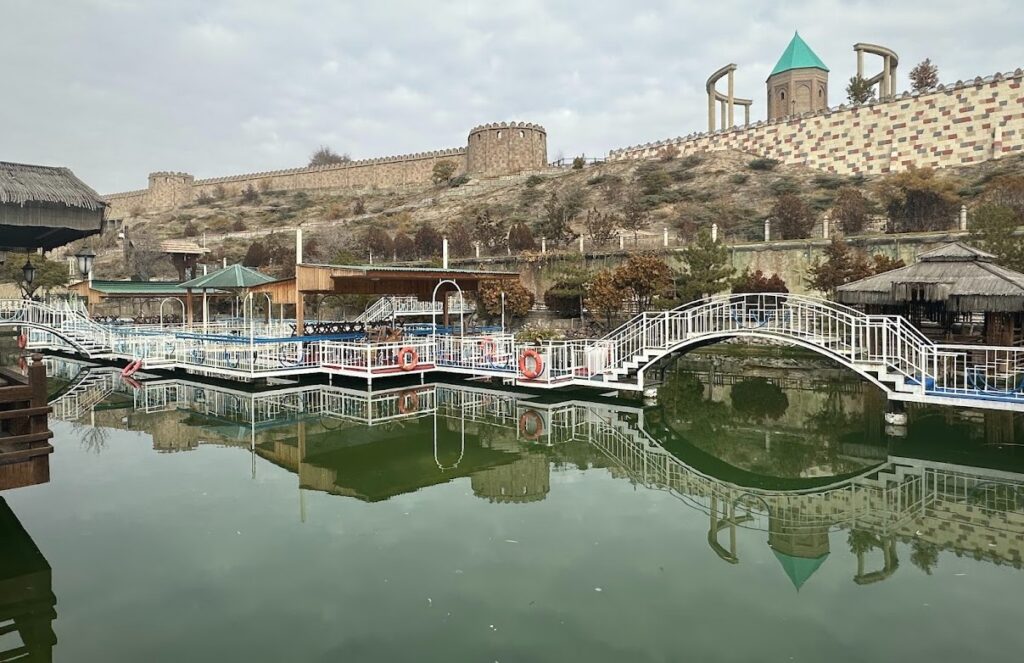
(924, 555)
(831, 417)
(757, 399)
(861, 541)
(93, 438)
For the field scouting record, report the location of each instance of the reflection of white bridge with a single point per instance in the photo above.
(886, 350)
(968, 509)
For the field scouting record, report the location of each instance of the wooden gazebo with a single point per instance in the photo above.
(43, 207)
(948, 291)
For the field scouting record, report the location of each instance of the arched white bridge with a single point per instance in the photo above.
(885, 349)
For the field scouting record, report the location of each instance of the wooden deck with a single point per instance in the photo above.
(24, 433)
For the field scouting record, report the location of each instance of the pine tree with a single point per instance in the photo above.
(924, 76)
(993, 230)
(859, 91)
(707, 268)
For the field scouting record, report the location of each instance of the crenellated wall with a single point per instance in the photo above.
(951, 125)
(492, 150)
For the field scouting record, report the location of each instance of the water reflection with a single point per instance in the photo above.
(780, 452)
(27, 601)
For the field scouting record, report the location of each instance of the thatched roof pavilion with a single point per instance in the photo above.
(43, 207)
(947, 284)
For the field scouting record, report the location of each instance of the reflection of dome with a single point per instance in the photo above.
(799, 569)
(525, 480)
(800, 544)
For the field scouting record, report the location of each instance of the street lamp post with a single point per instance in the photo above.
(85, 258)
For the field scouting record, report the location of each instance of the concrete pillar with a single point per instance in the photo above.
(711, 110)
(714, 232)
(622, 242)
(543, 245)
(963, 217)
(731, 96)
(581, 243)
(298, 246)
(767, 230)
(824, 228)
(444, 252)
(476, 245)
(883, 84)
(892, 80)
(860, 63)
(722, 106)
(746, 115)
(664, 239)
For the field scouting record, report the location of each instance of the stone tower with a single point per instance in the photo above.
(506, 149)
(798, 83)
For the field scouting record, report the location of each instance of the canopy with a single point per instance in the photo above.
(232, 277)
(42, 207)
(962, 277)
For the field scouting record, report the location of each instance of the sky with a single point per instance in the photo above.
(115, 89)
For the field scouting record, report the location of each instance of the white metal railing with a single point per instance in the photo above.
(386, 308)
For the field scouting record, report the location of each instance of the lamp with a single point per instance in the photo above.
(85, 258)
(29, 271)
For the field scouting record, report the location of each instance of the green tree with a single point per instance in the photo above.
(919, 199)
(993, 229)
(641, 277)
(569, 289)
(707, 268)
(859, 91)
(757, 399)
(850, 211)
(325, 156)
(142, 254)
(924, 76)
(792, 216)
(50, 274)
(443, 171)
(1006, 191)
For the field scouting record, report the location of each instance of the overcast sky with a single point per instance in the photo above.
(118, 88)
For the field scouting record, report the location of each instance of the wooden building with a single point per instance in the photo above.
(954, 291)
(421, 282)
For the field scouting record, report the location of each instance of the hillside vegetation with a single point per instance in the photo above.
(638, 199)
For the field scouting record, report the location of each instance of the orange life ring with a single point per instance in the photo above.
(22, 340)
(488, 348)
(131, 368)
(408, 358)
(538, 364)
(526, 430)
(408, 401)
(133, 383)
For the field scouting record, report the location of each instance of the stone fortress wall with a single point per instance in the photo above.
(954, 125)
(492, 150)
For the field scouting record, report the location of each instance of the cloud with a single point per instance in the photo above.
(217, 87)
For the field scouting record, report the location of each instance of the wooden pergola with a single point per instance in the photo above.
(422, 282)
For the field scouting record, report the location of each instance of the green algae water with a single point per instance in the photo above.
(754, 513)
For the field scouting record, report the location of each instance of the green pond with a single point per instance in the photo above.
(758, 510)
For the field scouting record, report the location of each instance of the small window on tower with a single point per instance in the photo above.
(782, 95)
(499, 135)
(522, 134)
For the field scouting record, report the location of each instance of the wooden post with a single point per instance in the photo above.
(188, 307)
(37, 381)
(300, 314)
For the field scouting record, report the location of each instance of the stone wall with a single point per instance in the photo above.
(493, 150)
(960, 124)
(789, 259)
